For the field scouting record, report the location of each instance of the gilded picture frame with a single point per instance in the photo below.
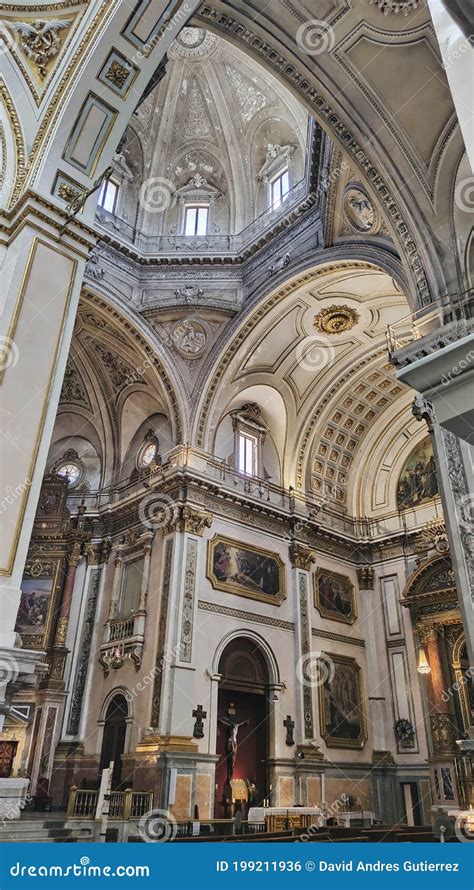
(41, 587)
(334, 596)
(246, 570)
(342, 703)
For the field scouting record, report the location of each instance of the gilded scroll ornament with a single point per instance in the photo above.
(40, 40)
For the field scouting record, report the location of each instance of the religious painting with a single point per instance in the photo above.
(39, 589)
(246, 570)
(334, 596)
(341, 703)
(418, 481)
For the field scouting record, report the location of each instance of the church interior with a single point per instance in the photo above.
(237, 413)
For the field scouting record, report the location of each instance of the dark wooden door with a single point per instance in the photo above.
(7, 756)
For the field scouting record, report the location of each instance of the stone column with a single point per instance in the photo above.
(455, 475)
(189, 527)
(302, 559)
(42, 276)
(378, 693)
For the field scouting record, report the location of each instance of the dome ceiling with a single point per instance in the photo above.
(215, 113)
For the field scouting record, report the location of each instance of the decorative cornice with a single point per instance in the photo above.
(241, 614)
(337, 638)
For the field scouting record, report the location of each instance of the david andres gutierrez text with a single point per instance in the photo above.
(407, 865)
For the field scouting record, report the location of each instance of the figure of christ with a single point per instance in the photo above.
(232, 744)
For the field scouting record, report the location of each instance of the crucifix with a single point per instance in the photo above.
(232, 744)
(200, 715)
(289, 725)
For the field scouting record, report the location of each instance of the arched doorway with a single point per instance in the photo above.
(242, 727)
(113, 740)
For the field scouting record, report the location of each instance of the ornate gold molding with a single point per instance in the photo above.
(336, 319)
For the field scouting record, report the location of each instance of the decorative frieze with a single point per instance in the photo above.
(187, 619)
(160, 653)
(242, 615)
(305, 646)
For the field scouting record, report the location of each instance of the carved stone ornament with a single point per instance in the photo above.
(403, 6)
(302, 557)
(189, 337)
(336, 319)
(443, 733)
(193, 44)
(433, 537)
(359, 210)
(118, 74)
(40, 40)
(194, 522)
(189, 293)
(365, 576)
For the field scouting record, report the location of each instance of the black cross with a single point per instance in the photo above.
(289, 724)
(200, 715)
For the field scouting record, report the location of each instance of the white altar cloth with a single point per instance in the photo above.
(259, 814)
(12, 797)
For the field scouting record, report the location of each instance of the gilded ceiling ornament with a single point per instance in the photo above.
(404, 6)
(336, 319)
(118, 74)
(40, 40)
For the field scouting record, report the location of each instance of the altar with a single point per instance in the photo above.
(13, 794)
(283, 818)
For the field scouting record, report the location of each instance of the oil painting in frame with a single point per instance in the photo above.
(334, 596)
(39, 593)
(245, 570)
(342, 703)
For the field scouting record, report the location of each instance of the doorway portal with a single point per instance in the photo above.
(242, 728)
(113, 741)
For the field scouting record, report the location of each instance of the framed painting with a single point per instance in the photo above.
(39, 592)
(246, 570)
(418, 481)
(334, 596)
(341, 703)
